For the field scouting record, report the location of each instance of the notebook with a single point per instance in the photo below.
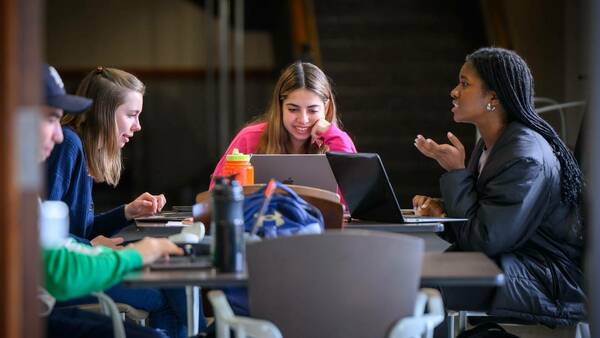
(165, 216)
(367, 190)
(311, 170)
(183, 263)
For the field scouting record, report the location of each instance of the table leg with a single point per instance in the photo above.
(192, 294)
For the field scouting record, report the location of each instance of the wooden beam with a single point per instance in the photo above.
(20, 46)
(10, 270)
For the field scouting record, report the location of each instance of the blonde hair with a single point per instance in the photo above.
(299, 75)
(97, 127)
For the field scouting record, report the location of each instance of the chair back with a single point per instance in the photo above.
(339, 284)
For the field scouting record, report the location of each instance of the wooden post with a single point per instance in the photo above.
(20, 86)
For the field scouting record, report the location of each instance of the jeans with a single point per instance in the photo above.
(166, 307)
(75, 323)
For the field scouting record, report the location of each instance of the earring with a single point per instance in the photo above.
(489, 107)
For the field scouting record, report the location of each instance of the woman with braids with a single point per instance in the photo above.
(520, 191)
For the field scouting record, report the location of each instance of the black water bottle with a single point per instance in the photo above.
(227, 225)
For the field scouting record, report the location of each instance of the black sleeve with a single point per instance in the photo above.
(504, 214)
(110, 222)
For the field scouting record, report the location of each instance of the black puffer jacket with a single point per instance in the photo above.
(517, 218)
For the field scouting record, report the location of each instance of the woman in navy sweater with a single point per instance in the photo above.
(91, 151)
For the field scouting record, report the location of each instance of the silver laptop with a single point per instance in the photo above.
(367, 190)
(311, 170)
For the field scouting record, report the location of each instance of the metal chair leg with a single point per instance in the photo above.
(462, 321)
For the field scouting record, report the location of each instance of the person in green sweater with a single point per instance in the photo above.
(72, 270)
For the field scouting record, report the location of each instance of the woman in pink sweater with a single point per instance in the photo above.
(301, 119)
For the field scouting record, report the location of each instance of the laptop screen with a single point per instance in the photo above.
(365, 186)
(311, 170)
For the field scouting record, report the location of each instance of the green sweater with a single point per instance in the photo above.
(76, 270)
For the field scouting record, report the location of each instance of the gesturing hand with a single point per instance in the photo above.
(152, 249)
(450, 157)
(145, 205)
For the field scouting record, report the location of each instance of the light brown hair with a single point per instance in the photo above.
(97, 127)
(299, 75)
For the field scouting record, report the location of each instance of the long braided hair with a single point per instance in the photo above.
(506, 73)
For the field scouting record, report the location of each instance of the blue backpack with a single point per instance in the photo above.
(287, 214)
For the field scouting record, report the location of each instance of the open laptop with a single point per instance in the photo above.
(311, 170)
(368, 192)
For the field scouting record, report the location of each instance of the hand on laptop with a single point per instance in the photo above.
(428, 206)
(152, 249)
(450, 157)
(145, 205)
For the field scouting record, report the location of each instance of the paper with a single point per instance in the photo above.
(175, 224)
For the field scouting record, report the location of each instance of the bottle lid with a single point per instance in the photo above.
(228, 189)
(237, 156)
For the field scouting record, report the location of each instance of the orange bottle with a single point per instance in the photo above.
(238, 164)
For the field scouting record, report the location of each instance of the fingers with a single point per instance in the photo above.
(117, 240)
(162, 200)
(456, 142)
(154, 209)
(169, 248)
(319, 128)
(152, 249)
(113, 243)
(150, 204)
(147, 204)
(314, 130)
(418, 201)
(426, 146)
(420, 204)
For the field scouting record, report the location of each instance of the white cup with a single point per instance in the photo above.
(53, 223)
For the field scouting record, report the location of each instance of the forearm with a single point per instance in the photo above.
(338, 140)
(76, 270)
(110, 222)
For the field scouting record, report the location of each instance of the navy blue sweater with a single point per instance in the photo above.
(69, 181)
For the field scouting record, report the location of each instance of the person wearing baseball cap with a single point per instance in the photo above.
(57, 97)
(56, 102)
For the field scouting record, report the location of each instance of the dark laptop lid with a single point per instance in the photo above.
(365, 186)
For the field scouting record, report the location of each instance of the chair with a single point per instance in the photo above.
(326, 201)
(339, 284)
(109, 308)
(549, 105)
(226, 320)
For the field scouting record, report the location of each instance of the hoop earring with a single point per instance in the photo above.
(489, 107)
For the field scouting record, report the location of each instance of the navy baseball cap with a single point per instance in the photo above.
(57, 97)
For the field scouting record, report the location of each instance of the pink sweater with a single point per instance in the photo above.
(247, 142)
